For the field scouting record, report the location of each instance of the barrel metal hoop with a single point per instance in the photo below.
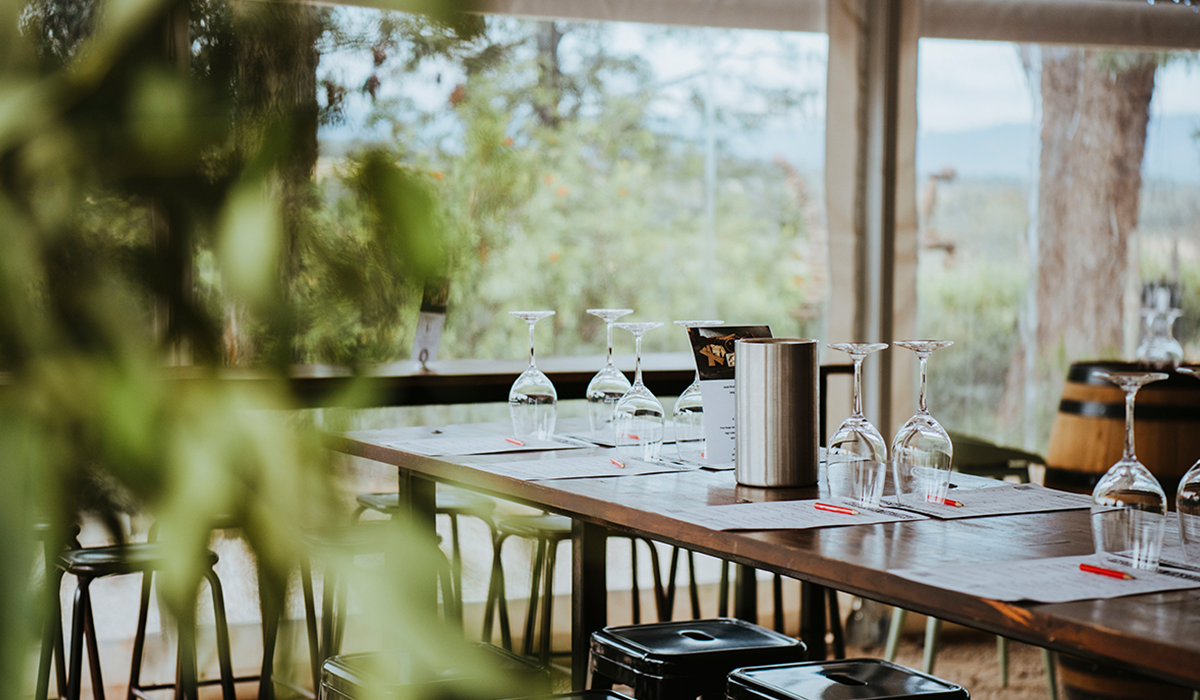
(1099, 409)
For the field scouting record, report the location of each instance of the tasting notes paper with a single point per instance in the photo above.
(574, 468)
(1052, 580)
(476, 445)
(787, 515)
(1009, 499)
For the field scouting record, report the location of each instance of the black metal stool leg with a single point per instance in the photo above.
(547, 602)
(271, 597)
(310, 621)
(723, 591)
(634, 590)
(93, 648)
(224, 654)
(456, 564)
(139, 637)
(693, 586)
(777, 590)
(835, 626)
(329, 592)
(52, 634)
(531, 615)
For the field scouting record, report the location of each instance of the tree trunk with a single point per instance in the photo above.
(1095, 107)
(549, 95)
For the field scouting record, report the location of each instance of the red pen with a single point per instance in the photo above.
(617, 462)
(835, 509)
(1111, 573)
(515, 441)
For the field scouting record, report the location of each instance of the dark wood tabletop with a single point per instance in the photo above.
(1157, 634)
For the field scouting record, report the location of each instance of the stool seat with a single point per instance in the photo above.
(118, 559)
(449, 501)
(687, 658)
(582, 695)
(389, 675)
(551, 527)
(860, 679)
(358, 538)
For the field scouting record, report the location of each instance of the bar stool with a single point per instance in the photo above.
(671, 660)
(89, 564)
(547, 532)
(352, 676)
(451, 502)
(862, 679)
(350, 540)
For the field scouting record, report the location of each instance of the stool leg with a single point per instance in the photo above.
(310, 621)
(693, 586)
(271, 595)
(723, 591)
(52, 635)
(93, 649)
(777, 594)
(456, 565)
(835, 626)
(139, 637)
(933, 631)
(894, 630)
(185, 665)
(664, 596)
(224, 654)
(1051, 677)
(497, 598)
(531, 615)
(329, 592)
(75, 669)
(1002, 657)
(636, 602)
(547, 602)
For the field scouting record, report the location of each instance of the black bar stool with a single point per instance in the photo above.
(686, 659)
(863, 679)
(89, 564)
(451, 502)
(339, 543)
(547, 532)
(391, 675)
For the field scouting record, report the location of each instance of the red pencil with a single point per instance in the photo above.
(1111, 573)
(617, 462)
(949, 502)
(835, 509)
(515, 441)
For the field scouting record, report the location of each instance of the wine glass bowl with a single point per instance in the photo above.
(1187, 500)
(688, 414)
(922, 454)
(532, 400)
(609, 384)
(1129, 507)
(638, 415)
(856, 460)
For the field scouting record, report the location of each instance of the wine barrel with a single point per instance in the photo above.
(1088, 435)
(1088, 680)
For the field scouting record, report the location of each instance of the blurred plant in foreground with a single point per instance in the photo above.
(128, 145)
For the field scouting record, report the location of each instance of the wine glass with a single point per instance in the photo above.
(688, 414)
(638, 417)
(1187, 501)
(1129, 507)
(921, 451)
(856, 461)
(609, 384)
(532, 399)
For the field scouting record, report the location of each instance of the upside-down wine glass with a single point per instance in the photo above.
(688, 415)
(1187, 501)
(638, 417)
(532, 399)
(856, 461)
(921, 451)
(1129, 507)
(609, 384)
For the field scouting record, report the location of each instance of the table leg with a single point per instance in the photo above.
(589, 594)
(745, 593)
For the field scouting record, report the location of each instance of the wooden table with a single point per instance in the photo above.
(1157, 634)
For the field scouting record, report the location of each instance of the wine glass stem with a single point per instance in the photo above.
(531, 364)
(637, 366)
(921, 405)
(857, 386)
(1129, 396)
(610, 327)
